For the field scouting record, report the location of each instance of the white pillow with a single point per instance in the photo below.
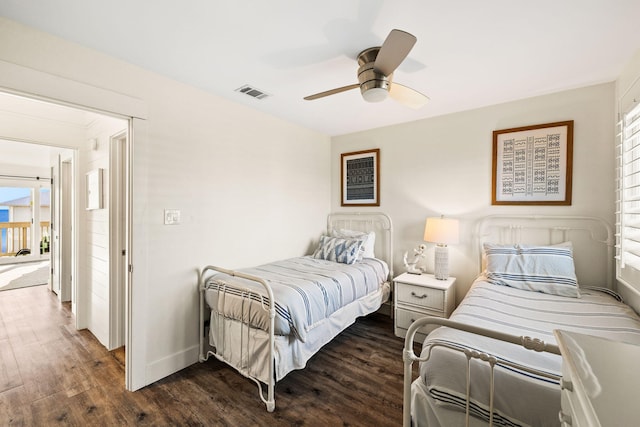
(368, 246)
(547, 269)
(336, 249)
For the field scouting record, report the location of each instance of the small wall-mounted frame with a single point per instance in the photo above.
(93, 190)
(532, 165)
(360, 178)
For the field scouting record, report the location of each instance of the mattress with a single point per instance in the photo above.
(521, 398)
(306, 291)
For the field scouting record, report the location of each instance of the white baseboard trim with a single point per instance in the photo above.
(166, 366)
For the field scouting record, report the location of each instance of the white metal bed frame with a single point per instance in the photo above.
(508, 230)
(359, 221)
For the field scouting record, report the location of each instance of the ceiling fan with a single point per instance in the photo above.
(375, 74)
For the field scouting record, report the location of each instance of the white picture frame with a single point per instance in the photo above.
(93, 192)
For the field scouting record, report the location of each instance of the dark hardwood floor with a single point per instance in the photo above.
(51, 374)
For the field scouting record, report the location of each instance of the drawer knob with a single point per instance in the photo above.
(564, 418)
(566, 384)
(413, 294)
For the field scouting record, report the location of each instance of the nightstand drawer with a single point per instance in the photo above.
(404, 319)
(420, 296)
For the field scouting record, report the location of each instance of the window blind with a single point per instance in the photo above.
(628, 192)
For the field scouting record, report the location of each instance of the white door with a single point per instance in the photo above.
(118, 218)
(61, 229)
(66, 239)
(55, 225)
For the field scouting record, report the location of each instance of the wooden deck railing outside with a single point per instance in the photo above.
(17, 235)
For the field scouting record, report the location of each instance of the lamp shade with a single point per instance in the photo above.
(441, 230)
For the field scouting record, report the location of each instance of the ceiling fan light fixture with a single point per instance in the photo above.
(375, 73)
(374, 86)
(375, 94)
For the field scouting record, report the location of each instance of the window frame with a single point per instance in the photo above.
(628, 196)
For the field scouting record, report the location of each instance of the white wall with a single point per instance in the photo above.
(251, 188)
(628, 85)
(443, 166)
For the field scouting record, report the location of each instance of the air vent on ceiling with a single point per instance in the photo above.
(252, 91)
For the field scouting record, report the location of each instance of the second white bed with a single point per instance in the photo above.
(439, 394)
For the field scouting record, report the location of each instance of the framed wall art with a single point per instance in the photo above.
(360, 178)
(94, 189)
(532, 165)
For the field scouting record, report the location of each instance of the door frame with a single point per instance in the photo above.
(30, 82)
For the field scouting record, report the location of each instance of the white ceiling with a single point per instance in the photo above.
(25, 154)
(469, 53)
(22, 153)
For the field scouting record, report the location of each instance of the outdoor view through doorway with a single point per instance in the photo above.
(25, 230)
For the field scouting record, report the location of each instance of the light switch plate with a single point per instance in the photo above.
(171, 216)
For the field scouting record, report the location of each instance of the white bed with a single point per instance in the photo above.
(526, 363)
(268, 320)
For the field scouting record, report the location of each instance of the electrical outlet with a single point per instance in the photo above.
(171, 216)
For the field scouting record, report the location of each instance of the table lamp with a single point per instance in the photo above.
(441, 231)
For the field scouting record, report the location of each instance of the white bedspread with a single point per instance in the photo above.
(306, 291)
(521, 398)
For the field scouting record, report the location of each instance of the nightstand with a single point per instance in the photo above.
(420, 295)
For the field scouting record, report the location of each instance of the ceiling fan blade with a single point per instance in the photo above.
(331, 92)
(407, 96)
(393, 51)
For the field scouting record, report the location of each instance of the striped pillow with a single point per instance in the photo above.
(547, 269)
(337, 249)
(369, 241)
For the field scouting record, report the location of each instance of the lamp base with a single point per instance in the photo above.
(441, 266)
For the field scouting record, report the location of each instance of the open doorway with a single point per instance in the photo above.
(78, 238)
(25, 228)
(24, 217)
